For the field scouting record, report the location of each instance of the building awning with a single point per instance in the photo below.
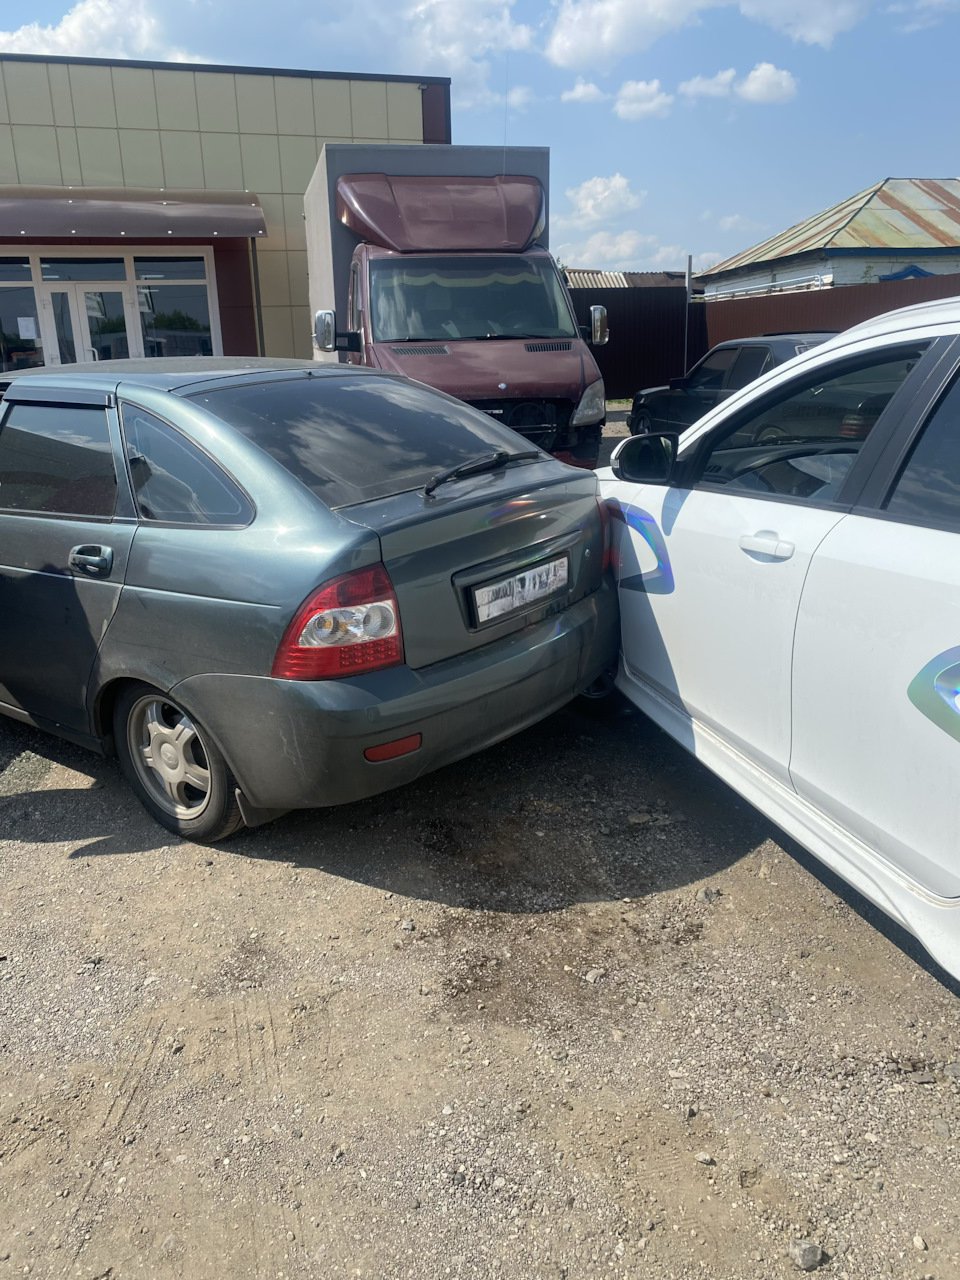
(114, 213)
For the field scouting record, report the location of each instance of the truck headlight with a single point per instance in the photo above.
(592, 406)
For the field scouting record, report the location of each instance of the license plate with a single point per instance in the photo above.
(509, 595)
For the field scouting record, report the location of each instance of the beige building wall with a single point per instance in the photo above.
(134, 126)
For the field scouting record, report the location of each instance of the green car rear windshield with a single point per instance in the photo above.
(355, 438)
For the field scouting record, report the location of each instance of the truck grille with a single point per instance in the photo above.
(544, 422)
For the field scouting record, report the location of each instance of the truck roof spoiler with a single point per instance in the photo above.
(435, 214)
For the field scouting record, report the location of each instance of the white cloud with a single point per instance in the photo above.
(767, 83)
(455, 38)
(613, 249)
(600, 200)
(923, 13)
(668, 257)
(717, 86)
(598, 33)
(519, 97)
(639, 98)
(99, 29)
(629, 251)
(738, 222)
(809, 21)
(583, 91)
(450, 38)
(701, 261)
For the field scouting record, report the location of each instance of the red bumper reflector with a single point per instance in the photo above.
(399, 747)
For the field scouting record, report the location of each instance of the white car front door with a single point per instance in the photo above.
(876, 688)
(711, 571)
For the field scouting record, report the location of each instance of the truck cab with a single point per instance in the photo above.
(449, 286)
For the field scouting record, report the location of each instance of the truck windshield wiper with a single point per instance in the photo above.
(485, 462)
(510, 337)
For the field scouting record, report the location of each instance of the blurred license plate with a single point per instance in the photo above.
(509, 595)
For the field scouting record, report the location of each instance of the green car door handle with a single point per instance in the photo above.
(95, 562)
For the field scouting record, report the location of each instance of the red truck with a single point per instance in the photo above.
(449, 283)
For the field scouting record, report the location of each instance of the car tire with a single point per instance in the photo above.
(601, 700)
(639, 423)
(173, 766)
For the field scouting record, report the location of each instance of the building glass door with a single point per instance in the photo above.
(91, 309)
(100, 306)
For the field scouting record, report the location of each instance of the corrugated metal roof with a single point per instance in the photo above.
(897, 213)
(582, 278)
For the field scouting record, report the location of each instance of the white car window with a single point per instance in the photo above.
(928, 488)
(802, 441)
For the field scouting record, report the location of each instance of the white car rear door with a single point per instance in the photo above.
(876, 740)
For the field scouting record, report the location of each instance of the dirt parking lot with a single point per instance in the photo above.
(570, 1008)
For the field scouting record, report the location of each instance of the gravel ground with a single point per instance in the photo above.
(570, 1008)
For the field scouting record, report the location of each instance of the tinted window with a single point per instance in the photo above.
(928, 489)
(708, 374)
(82, 269)
(751, 362)
(16, 269)
(803, 441)
(175, 319)
(169, 268)
(173, 480)
(351, 439)
(57, 458)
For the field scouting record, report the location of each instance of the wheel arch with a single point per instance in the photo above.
(103, 705)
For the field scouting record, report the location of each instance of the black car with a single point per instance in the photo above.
(723, 370)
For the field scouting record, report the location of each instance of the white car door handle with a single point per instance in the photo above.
(766, 544)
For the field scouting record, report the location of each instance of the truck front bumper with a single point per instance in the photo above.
(299, 744)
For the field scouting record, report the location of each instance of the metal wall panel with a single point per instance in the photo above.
(646, 325)
(836, 308)
(646, 335)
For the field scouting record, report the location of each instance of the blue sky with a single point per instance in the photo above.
(675, 126)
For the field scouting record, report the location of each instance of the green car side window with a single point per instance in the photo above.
(174, 481)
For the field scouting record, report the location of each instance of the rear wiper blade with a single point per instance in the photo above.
(476, 466)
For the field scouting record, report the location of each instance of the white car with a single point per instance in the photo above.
(789, 581)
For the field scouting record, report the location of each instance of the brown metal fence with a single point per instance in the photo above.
(646, 335)
(836, 308)
(646, 324)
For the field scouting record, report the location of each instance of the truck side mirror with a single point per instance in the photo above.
(599, 333)
(325, 330)
(646, 459)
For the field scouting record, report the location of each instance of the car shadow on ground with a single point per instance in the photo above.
(877, 919)
(573, 810)
(98, 810)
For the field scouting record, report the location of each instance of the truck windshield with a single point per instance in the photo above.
(438, 299)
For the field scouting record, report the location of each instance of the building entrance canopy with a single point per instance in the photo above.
(112, 213)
